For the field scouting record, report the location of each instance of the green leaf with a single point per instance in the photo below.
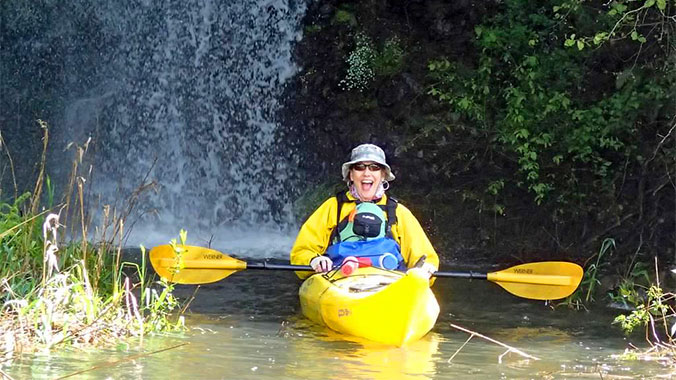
(600, 37)
(522, 133)
(580, 45)
(662, 4)
(557, 159)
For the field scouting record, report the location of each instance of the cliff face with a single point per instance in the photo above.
(325, 120)
(530, 147)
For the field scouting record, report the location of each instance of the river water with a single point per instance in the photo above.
(250, 326)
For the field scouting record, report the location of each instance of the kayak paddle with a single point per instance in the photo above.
(547, 280)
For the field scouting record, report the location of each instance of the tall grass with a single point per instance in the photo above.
(60, 283)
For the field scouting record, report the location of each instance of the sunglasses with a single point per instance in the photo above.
(371, 167)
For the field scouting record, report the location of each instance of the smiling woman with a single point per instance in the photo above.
(342, 226)
(363, 173)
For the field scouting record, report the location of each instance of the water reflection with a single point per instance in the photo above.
(335, 356)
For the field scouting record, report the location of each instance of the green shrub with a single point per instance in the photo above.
(343, 16)
(390, 60)
(534, 102)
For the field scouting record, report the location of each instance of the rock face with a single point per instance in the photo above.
(324, 121)
(318, 106)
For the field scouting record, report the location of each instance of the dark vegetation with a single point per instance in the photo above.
(518, 130)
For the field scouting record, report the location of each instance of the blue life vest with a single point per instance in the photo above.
(357, 235)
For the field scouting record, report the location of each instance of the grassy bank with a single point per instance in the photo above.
(63, 280)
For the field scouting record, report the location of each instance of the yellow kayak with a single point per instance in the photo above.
(375, 304)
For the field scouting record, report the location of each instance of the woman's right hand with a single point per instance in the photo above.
(321, 264)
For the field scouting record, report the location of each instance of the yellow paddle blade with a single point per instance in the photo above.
(192, 264)
(549, 280)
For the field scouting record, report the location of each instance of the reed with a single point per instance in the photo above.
(62, 284)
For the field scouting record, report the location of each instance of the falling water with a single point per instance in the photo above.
(185, 93)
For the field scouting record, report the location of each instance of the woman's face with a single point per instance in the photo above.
(366, 177)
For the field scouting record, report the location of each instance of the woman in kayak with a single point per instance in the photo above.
(364, 222)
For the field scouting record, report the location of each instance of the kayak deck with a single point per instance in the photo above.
(379, 305)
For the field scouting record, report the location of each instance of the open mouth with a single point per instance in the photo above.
(366, 185)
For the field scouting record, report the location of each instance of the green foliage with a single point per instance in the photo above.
(310, 29)
(637, 22)
(344, 16)
(585, 293)
(69, 307)
(366, 62)
(627, 293)
(310, 200)
(20, 247)
(390, 59)
(156, 310)
(656, 306)
(537, 104)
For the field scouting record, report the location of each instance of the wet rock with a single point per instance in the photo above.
(440, 29)
(391, 92)
(412, 83)
(326, 11)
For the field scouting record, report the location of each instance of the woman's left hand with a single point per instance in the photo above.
(426, 270)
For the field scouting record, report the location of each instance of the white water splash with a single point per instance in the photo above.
(187, 92)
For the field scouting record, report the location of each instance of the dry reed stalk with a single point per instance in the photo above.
(11, 165)
(134, 198)
(35, 202)
(80, 191)
(118, 254)
(69, 192)
(101, 247)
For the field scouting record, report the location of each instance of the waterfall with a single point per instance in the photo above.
(183, 92)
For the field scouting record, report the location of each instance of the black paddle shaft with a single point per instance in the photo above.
(278, 266)
(269, 266)
(470, 275)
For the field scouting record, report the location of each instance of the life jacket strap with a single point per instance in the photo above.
(390, 208)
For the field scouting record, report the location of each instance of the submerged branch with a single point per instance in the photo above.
(509, 348)
(121, 361)
(5, 375)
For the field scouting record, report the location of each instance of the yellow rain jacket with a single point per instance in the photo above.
(315, 234)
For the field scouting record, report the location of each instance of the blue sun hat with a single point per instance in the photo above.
(367, 152)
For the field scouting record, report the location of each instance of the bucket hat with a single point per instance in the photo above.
(367, 152)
